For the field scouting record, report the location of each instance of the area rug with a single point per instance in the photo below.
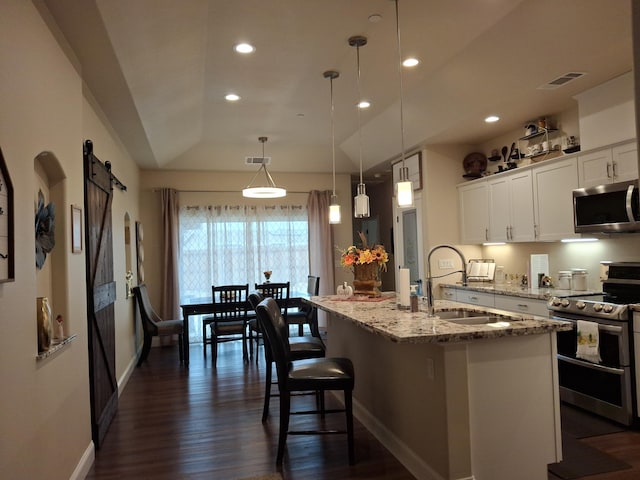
(580, 459)
(270, 476)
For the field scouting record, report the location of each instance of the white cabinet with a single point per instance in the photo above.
(609, 165)
(474, 212)
(553, 200)
(475, 298)
(531, 306)
(511, 207)
(448, 293)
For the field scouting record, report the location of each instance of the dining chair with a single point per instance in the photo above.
(153, 325)
(277, 291)
(315, 374)
(229, 321)
(301, 348)
(305, 314)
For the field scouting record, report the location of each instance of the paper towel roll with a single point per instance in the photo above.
(405, 287)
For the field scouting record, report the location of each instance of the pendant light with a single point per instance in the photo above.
(334, 209)
(360, 201)
(269, 190)
(404, 195)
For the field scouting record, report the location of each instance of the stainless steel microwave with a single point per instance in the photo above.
(607, 208)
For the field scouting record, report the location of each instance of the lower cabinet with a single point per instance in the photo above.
(522, 305)
(476, 298)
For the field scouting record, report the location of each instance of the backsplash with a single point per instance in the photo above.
(565, 256)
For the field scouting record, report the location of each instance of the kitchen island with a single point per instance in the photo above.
(450, 400)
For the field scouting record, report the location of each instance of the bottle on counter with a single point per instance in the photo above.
(499, 275)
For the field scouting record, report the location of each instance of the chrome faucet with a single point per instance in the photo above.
(430, 309)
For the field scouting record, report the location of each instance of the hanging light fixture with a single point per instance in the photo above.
(334, 208)
(404, 187)
(268, 191)
(361, 200)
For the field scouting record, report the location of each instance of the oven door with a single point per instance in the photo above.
(604, 388)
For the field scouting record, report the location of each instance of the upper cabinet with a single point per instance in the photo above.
(511, 207)
(609, 165)
(474, 212)
(553, 184)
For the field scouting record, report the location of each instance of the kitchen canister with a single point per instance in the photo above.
(579, 278)
(564, 280)
(499, 274)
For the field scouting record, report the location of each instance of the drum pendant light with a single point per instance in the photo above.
(404, 195)
(334, 209)
(267, 191)
(361, 200)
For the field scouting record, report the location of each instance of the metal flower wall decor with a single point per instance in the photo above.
(45, 230)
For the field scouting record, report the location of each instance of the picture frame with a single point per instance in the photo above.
(76, 229)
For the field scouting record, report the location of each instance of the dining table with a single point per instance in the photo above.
(297, 300)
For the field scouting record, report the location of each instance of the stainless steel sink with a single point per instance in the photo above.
(477, 320)
(464, 316)
(459, 313)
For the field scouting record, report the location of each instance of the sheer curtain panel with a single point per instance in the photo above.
(235, 244)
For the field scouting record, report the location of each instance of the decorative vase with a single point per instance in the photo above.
(45, 326)
(366, 279)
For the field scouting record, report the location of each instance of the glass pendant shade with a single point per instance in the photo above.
(335, 216)
(404, 189)
(361, 203)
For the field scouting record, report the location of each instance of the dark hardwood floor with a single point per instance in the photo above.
(204, 422)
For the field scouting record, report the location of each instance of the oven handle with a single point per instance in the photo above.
(593, 366)
(601, 326)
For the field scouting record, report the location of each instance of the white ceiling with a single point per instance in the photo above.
(159, 70)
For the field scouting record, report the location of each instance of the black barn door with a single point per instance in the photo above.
(101, 293)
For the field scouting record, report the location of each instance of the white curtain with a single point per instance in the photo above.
(234, 245)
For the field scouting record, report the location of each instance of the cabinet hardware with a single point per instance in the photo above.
(522, 305)
(608, 170)
(615, 169)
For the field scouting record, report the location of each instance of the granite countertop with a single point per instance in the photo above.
(514, 290)
(382, 317)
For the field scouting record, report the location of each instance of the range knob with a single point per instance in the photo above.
(597, 307)
(580, 305)
(565, 302)
(608, 308)
(555, 301)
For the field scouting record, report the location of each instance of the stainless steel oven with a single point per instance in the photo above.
(605, 387)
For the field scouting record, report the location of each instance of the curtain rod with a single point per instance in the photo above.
(219, 191)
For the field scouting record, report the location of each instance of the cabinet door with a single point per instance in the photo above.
(595, 168)
(476, 298)
(499, 209)
(474, 217)
(521, 201)
(625, 161)
(522, 305)
(553, 200)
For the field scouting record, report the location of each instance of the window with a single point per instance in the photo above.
(231, 245)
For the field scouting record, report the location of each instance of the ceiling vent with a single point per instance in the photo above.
(257, 160)
(561, 80)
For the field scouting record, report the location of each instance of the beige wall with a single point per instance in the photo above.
(44, 409)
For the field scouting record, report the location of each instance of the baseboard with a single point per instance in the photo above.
(85, 463)
(126, 375)
(399, 449)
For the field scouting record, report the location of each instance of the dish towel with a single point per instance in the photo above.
(588, 341)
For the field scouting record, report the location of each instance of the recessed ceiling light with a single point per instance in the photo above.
(410, 62)
(375, 17)
(232, 97)
(492, 119)
(364, 104)
(244, 48)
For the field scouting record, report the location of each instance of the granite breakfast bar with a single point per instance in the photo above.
(452, 401)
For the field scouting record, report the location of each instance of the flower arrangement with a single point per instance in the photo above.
(353, 255)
